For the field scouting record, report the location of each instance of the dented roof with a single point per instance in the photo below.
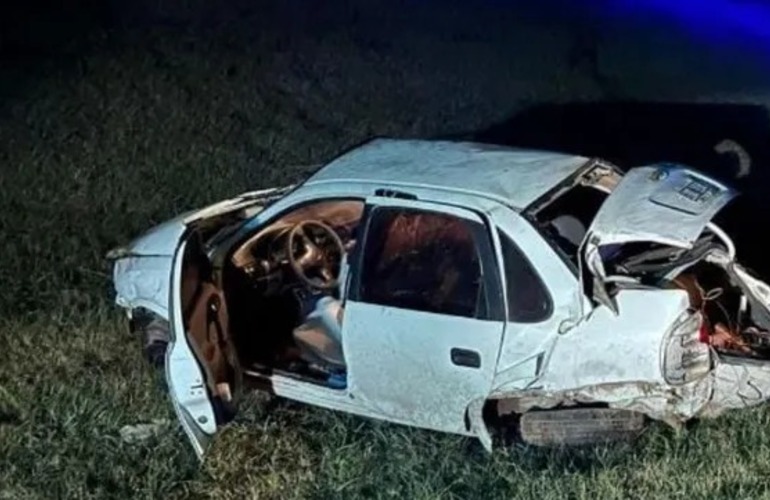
(512, 176)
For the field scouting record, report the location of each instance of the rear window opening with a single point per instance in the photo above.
(564, 216)
(566, 219)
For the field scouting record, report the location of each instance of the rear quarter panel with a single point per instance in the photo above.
(610, 349)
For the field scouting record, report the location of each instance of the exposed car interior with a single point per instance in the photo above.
(735, 322)
(423, 261)
(566, 219)
(207, 323)
(284, 286)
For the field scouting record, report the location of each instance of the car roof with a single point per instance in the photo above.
(515, 177)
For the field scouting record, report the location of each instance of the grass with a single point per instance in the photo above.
(100, 144)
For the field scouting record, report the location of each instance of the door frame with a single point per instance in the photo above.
(491, 275)
(490, 257)
(184, 377)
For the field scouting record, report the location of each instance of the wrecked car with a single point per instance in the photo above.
(460, 287)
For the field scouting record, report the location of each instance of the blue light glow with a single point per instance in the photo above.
(725, 20)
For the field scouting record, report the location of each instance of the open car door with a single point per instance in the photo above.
(202, 369)
(166, 271)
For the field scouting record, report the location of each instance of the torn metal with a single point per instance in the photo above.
(654, 234)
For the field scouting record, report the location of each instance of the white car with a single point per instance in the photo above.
(460, 287)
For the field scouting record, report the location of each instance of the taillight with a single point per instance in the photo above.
(687, 355)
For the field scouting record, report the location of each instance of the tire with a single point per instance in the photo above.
(580, 426)
(155, 336)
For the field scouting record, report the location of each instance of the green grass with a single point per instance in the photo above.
(98, 146)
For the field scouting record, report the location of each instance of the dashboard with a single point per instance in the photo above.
(263, 256)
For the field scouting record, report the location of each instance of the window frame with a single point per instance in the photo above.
(502, 235)
(491, 284)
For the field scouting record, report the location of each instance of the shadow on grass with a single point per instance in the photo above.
(631, 133)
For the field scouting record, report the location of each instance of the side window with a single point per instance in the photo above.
(528, 298)
(424, 261)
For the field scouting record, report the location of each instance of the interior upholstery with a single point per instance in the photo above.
(319, 338)
(207, 327)
(570, 228)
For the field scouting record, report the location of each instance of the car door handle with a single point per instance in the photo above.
(465, 357)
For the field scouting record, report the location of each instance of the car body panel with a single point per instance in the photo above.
(143, 282)
(664, 204)
(526, 346)
(160, 240)
(400, 361)
(608, 348)
(515, 177)
(332, 399)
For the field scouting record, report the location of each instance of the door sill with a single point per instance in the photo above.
(263, 372)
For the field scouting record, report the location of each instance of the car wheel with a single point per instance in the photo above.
(580, 426)
(154, 333)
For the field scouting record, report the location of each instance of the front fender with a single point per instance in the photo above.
(143, 282)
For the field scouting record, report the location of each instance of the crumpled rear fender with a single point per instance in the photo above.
(672, 405)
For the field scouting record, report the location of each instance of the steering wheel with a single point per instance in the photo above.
(308, 249)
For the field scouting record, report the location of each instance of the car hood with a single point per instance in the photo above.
(160, 240)
(666, 204)
(163, 239)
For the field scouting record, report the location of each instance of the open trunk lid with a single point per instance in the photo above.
(666, 204)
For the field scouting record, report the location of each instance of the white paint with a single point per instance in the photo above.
(162, 239)
(399, 360)
(399, 363)
(515, 177)
(186, 382)
(325, 397)
(143, 282)
(526, 346)
(624, 348)
(642, 208)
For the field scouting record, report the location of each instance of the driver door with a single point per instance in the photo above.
(423, 321)
(201, 368)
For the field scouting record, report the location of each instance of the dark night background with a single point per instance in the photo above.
(116, 115)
